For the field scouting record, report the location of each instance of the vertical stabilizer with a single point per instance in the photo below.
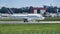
(10, 11)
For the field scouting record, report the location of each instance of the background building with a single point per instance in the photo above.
(37, 10)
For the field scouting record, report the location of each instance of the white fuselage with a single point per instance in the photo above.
(25, 16)
(28, 16)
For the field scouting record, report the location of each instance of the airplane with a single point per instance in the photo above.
(25, 17)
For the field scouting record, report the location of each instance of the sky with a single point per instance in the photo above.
(25, 3)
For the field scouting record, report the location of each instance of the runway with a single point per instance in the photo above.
(21, 22)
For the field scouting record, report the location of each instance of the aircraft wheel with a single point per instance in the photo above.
(25, 20)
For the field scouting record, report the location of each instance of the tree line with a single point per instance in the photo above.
(50, 9)
(16, 10)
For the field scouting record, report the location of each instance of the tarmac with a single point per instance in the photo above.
(21, 22)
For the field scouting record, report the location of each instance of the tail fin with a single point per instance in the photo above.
(10, 11)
